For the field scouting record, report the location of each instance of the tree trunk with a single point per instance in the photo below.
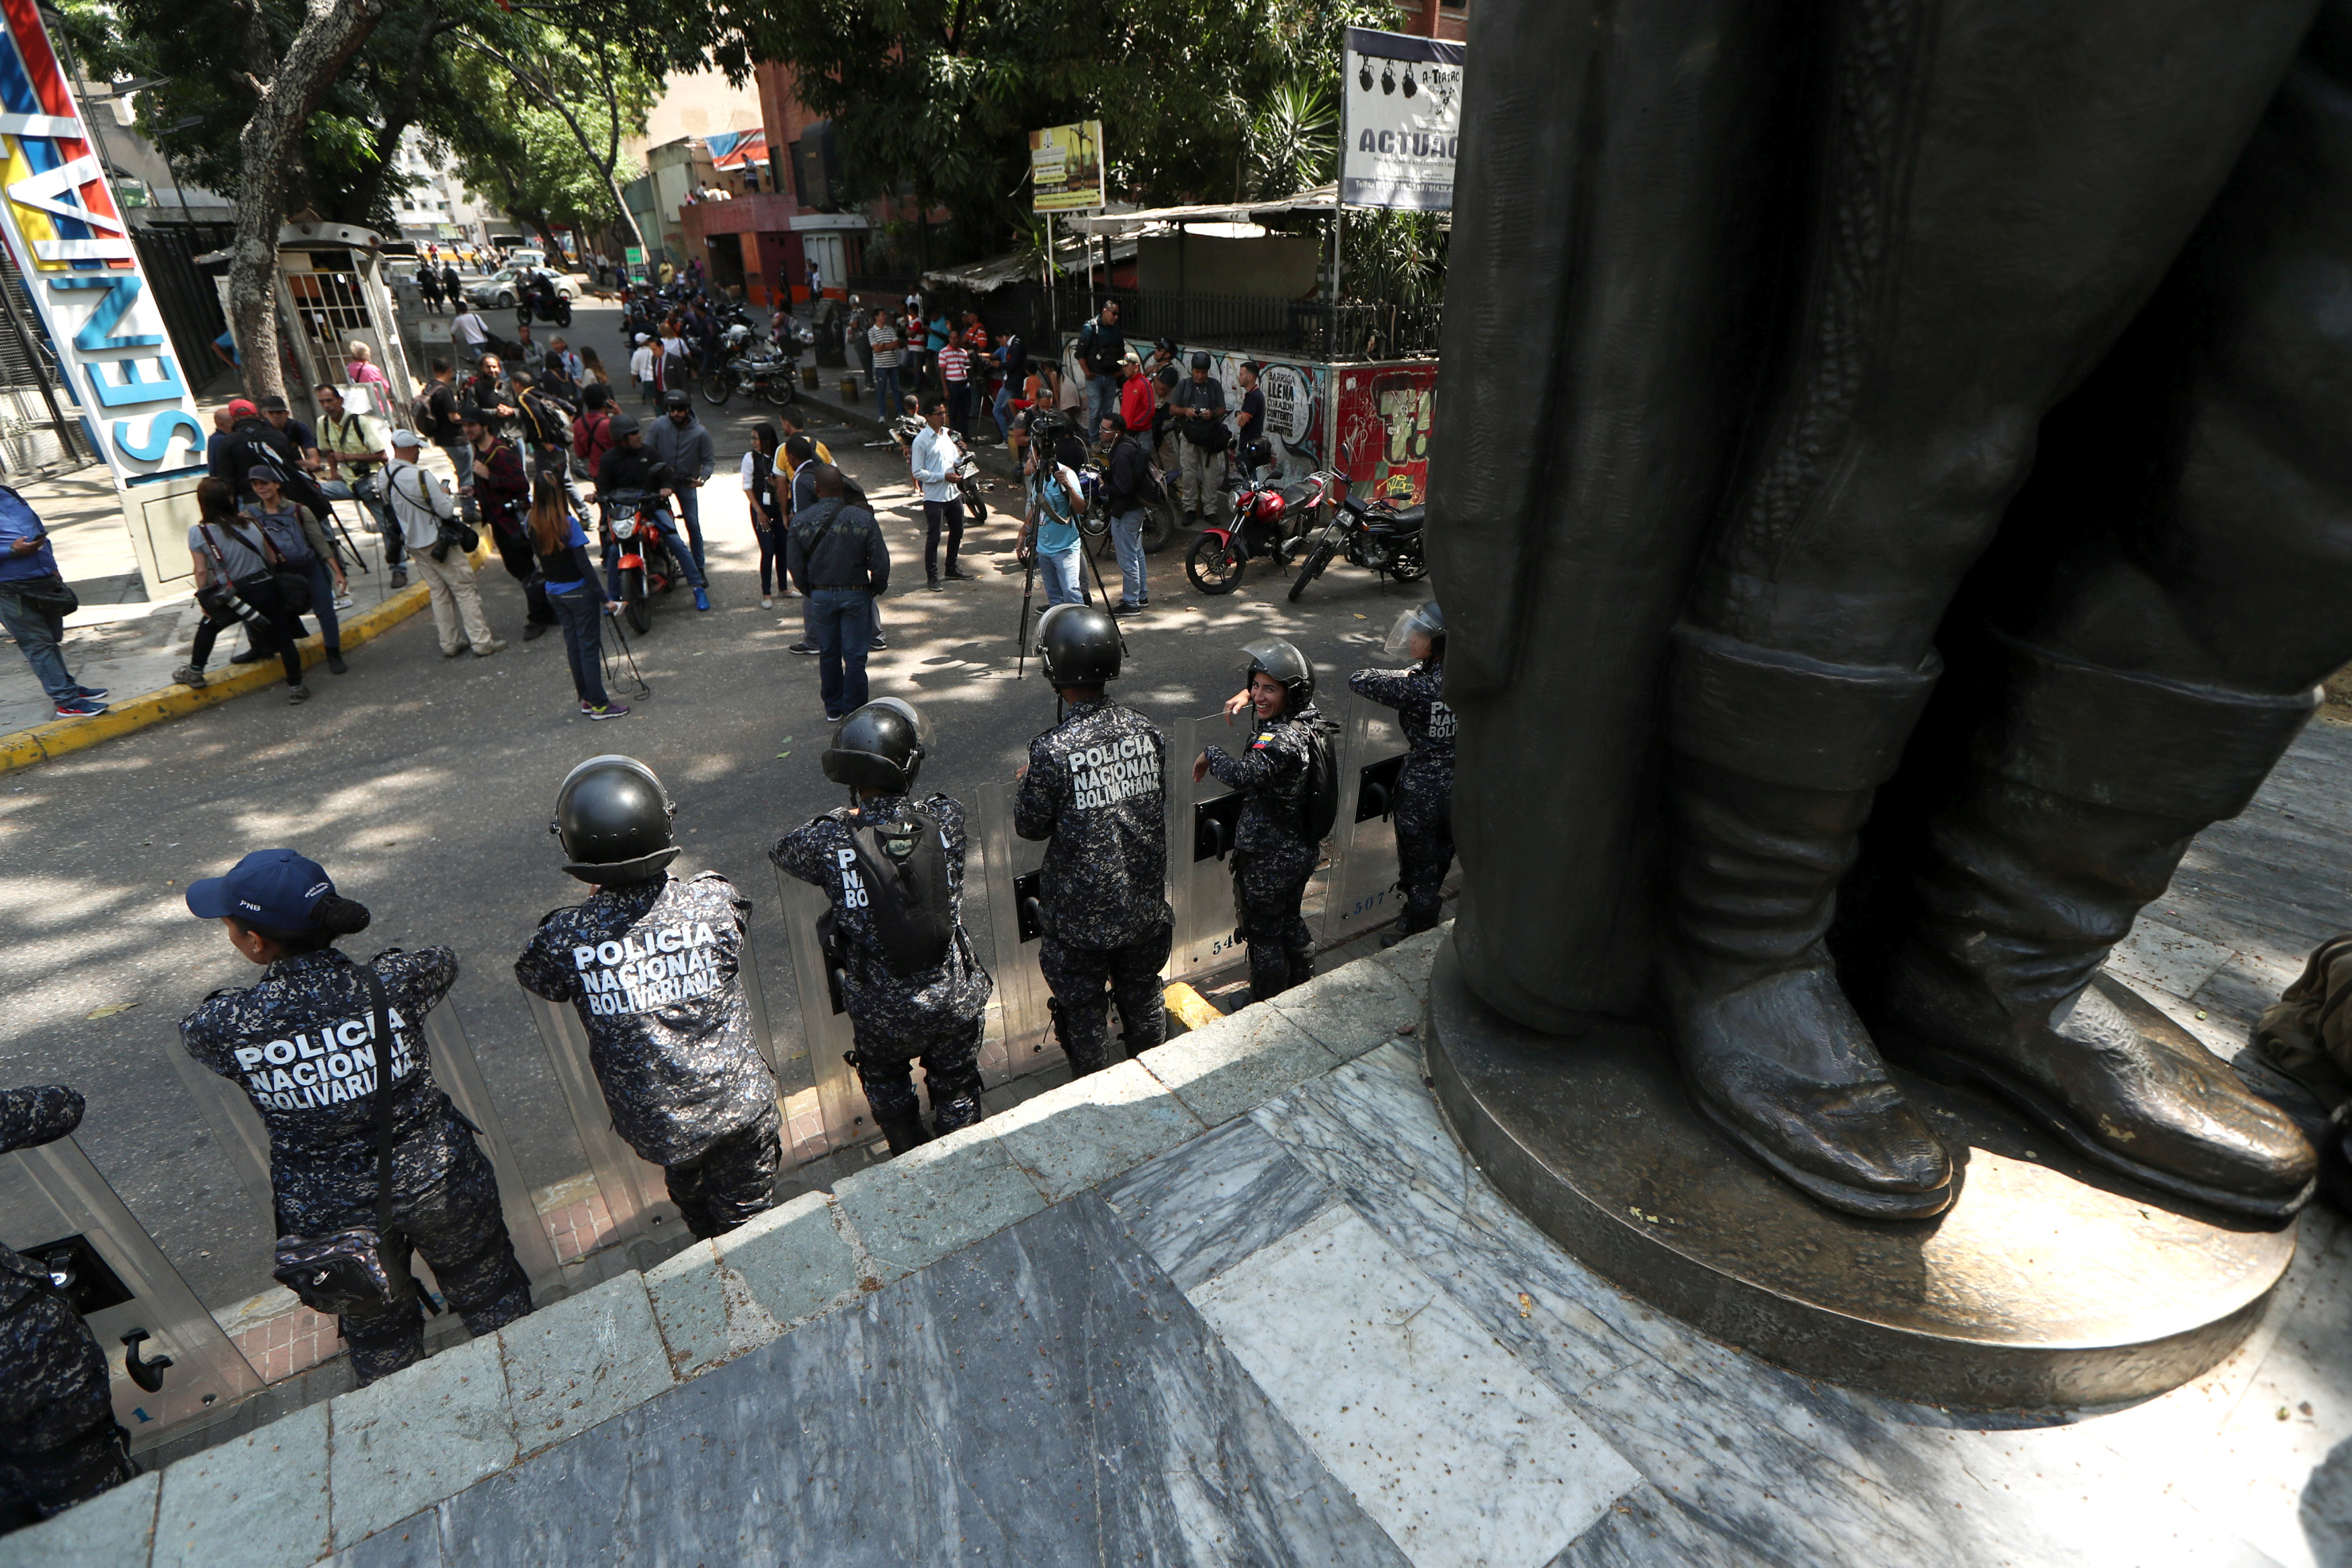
(331, 32)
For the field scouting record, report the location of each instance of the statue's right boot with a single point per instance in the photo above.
(1774, 760)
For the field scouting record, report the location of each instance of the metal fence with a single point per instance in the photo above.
(185, 292)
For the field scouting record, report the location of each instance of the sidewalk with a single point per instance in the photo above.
(121, 639)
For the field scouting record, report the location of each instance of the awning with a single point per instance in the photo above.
(1320, 199)
(1019, 266)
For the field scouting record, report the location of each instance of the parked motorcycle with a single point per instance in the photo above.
(1383, 540)
(1094, 521)
(760, 370)
(648, 562)
(1268, 519)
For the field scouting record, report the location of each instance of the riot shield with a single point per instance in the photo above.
(1360, 873)
(824, 1026)
(460, 1077)
(169, 1368)
(1023, 1039)
(635, 1192)
(1200, 821)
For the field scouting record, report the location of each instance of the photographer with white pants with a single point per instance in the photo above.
(429, 527)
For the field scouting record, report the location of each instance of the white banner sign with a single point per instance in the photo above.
(1402, 121)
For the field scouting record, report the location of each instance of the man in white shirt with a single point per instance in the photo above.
(645, 367)
(470, 333)
(420, 504)
(938, 454)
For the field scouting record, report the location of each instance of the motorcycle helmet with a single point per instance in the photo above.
(1422, 620)
(1077, 645)
(675, 399)
(1273, 657)
(880, 746)
(612, 818)
(620, 427)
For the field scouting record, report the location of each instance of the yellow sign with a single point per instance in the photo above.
(1065, 167)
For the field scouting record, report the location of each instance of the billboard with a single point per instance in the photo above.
(1401, 121)
(1065, 167)
(73, 250)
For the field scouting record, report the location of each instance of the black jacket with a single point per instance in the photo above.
(835, 544)
(1129, 468)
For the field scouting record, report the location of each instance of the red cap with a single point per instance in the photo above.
(242, 408)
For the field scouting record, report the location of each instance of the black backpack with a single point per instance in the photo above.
(1318, 795)
(902, 878)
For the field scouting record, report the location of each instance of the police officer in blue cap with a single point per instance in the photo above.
(306, 1045)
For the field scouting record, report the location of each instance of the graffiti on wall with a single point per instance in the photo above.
(1387, 415)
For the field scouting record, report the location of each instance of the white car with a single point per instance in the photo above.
(500, 289)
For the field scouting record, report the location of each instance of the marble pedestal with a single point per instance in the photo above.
(2047, 1283)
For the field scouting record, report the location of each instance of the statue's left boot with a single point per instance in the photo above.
(2081, 800)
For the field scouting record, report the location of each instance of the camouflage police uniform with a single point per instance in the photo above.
(1423, 808)
(895, 1019)
(1097, 792)
(655, 969)
(1271, 856)
(298, 1044)
(59, 1442)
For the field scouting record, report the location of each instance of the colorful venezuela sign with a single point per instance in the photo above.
(74, 251)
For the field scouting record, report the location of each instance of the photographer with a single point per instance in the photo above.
(441, 548)
(1200, 409)
(351, 445)
(234, 581)
(937, 457)
(367, 1156)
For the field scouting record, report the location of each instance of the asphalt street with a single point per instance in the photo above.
(424, 785)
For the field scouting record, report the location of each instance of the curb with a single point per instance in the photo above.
(63, 737)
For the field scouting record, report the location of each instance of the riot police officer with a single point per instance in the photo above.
(1274, 852)
(654, 967)
(1095, 788)
(303, 1046)
(1422, 806)
(59, 1442)
(892, 871)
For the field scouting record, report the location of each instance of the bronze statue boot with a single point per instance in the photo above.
(2083, 796)
(1775, 759)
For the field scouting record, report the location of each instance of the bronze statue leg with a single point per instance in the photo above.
(2005, 182)
(2163, 668)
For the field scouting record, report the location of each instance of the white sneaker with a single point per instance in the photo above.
(766, 602)
(342, 601)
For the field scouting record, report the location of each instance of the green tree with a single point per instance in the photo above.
(933, 99)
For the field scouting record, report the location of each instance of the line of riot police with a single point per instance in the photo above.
(370, 1162)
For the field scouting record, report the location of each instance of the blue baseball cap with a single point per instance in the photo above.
(276, 888)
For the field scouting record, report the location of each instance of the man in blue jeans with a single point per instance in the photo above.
(838, 557)
(30, 588)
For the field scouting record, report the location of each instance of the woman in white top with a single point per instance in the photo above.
(645, 365)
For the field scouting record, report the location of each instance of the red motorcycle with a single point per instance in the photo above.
(1268, 517)
(648, 563)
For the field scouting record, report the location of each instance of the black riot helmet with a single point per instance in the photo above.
(1078, 645)
(620, 428)
(612, 818)
(1286, 663)
(673, 400)
(881, 746)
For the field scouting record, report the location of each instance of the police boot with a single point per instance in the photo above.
(2081, 799)
(1775, 758)
(905, 1131)
(1302, 964)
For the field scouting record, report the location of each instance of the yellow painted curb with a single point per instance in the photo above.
(1189, 1005)
(60, 737)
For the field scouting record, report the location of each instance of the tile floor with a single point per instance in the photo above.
(1316, 1335)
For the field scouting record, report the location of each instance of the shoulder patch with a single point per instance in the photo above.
(1265, 738)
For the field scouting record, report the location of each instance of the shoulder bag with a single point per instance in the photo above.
(363, 1270)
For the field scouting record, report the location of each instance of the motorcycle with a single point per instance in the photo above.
(1263, 514)
(758, 370)
(545, 304)
(966, 473)
(649, 564)
(1383, 540)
